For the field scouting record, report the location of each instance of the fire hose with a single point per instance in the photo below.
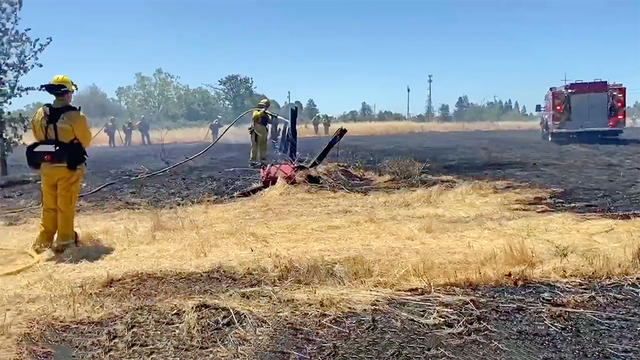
(98, 133)
(36, 258)
(126, 179)
(269, 176)
(165, 169)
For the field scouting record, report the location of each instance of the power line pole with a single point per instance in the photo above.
(429, 104)
(408, 90)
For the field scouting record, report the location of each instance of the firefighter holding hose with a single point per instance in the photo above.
(62, 135)
(258, 131)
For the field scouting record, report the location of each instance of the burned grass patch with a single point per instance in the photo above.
(191, 331)
(153, 287)
(539, 320)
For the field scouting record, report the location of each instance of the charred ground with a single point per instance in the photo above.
(559, 321)
(596, 177)
(188, 315)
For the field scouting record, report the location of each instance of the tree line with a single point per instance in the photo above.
(464, 110)
(167, 102)
(496, 110)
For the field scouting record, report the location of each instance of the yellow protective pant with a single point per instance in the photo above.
(60, 187)
(259, 143)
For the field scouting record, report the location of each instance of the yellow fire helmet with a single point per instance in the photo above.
(59, 85)
(264, 103)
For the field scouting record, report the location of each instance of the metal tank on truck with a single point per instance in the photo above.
(583, 110)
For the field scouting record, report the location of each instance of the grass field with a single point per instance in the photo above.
(334, 250)
(239, 134)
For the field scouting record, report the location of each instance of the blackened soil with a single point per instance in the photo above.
(588, 177)
(591, 320)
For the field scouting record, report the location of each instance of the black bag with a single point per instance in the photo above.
(54, 151)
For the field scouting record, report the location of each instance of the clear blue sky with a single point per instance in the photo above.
(341, 53)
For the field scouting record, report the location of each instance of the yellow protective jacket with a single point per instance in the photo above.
(260, 117)
(72, 125)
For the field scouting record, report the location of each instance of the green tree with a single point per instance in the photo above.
(490, 111)
(155, 96)
(444, 112)
(352, 116)
(461, 107)
(508, 106)
(237, 92)
(18, 55)
(365, 110)
(499, 109)
(310, 110)
(384, 115)
(199, 105)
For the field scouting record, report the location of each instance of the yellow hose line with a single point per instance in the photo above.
(36, 259)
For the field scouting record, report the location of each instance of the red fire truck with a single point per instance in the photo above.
(583, 110)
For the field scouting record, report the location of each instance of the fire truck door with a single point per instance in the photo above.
(588, 111)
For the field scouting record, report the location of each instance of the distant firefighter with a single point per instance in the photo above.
(214, 127)
(110, 129)
(316, 123)
(143, 127)
(326, 123)
(127, 129)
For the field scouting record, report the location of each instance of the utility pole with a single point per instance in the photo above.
(408, 91)
(429, 104)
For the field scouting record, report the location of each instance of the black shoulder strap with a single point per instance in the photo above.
(53, 114)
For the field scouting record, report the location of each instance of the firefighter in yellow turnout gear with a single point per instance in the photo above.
(258, 132)
(59, 184)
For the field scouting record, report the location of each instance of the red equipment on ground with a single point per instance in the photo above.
(269, 176)
(287, 171)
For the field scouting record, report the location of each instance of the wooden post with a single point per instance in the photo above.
(293, 140)
(3, 150)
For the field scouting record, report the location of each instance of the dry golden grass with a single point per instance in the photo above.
(410, 127)
(182, 135)
(239, 134)
(328, 244)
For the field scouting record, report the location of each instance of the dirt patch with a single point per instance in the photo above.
(178, 319)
